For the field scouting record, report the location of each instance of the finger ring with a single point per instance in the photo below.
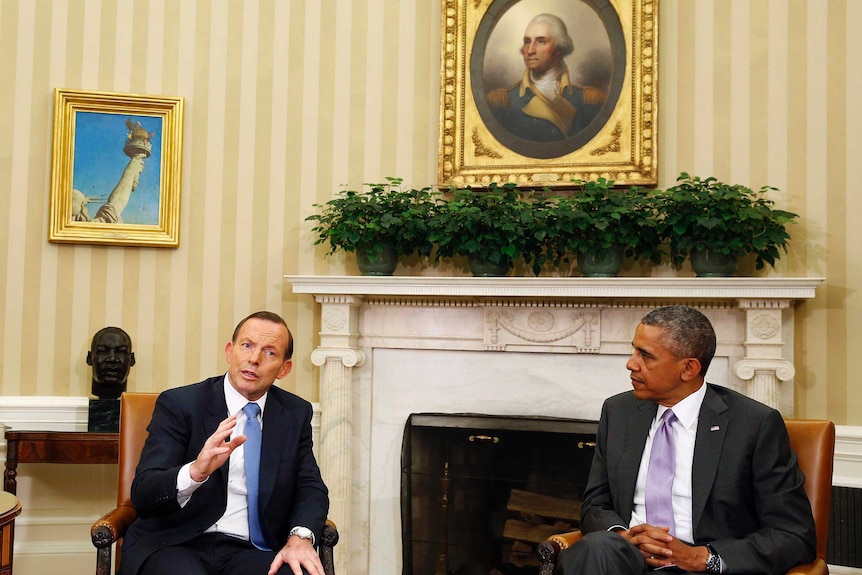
(652, 556)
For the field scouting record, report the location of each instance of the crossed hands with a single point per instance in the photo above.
(661, 549)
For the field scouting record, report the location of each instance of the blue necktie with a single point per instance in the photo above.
(659, 483)
(251, 448)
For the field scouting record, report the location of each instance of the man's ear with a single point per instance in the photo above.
(133, 360)
(285, 369)
(690, 369)
(89, 358)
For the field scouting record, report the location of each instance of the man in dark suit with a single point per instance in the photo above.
(738, 503)
(191, 490)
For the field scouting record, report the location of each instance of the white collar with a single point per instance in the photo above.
(687, 410)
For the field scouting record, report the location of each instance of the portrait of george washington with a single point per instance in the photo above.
(546, 74)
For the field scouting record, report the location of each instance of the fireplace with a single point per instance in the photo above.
(524, 347)
(479, 492)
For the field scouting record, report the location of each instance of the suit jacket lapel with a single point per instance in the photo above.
(711, 430)
(275, 433)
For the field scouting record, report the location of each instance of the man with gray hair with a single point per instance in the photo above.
(689, 476)
(545, 106)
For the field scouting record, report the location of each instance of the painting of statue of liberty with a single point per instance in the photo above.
(116, 169)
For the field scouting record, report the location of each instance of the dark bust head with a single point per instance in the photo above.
(112, 358)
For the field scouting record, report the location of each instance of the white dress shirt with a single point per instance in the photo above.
(684, 429)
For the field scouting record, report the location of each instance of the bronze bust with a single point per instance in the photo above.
(112, 358)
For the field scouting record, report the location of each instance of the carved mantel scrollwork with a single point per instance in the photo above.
(566, 330)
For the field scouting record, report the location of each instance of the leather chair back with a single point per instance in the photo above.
(136, 410)
(813, 440)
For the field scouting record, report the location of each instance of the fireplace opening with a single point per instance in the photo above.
(479, 492)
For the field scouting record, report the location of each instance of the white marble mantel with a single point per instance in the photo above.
(767, 288)
(391, 346)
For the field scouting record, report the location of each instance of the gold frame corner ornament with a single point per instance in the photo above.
(620, 143)
(69, 219)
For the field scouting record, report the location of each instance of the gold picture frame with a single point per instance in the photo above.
(485, 136)
(116, 169)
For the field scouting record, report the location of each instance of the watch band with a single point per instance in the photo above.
(302, 533)
(713, 561)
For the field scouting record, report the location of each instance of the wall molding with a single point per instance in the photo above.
(44, 413)
(848, 456)
(56, 548)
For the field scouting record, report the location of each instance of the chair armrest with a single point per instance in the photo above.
(549, 550)
(327, 542)
(817, 567)
(112, 526)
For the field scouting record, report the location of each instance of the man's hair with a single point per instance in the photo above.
(274, 318)
(687, 332)
(559, 32)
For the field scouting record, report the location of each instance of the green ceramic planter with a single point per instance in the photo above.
(483, 269)
(605, 264)
(707, 264)
(383, 264)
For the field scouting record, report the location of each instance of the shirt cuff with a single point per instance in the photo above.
(297, 528)
(186, 486)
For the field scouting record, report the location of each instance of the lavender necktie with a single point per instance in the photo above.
(659, 483)
(251, 449)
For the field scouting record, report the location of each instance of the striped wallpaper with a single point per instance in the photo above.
(287, 100)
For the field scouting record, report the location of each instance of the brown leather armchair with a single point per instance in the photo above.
(136, 410)
(814, 443)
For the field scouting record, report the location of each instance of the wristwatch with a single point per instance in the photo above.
(302, 533)
(713, 561)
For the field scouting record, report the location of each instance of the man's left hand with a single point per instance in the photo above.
(297, 553)
(687, 557)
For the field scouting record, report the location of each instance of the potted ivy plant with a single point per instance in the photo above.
(379, 223)
(710, 221)
(489, 226)
(601, 225)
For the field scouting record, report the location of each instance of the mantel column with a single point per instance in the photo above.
(764, 365)
(336, 357)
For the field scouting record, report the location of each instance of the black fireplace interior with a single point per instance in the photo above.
(479, 492)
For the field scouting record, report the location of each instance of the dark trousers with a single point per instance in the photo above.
(606, 553)
(212, 554)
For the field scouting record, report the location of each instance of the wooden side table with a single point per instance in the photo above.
(10, 507)
(56, 447)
